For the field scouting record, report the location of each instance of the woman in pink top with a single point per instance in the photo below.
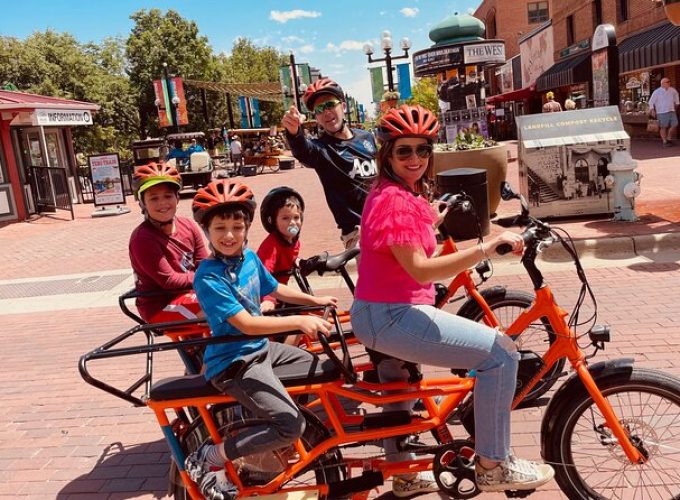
(393, 311)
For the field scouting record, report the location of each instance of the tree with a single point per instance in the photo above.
(158, 38)
(425, 93)
(56, 64)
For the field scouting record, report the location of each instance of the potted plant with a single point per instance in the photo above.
(390, 99)
(471, 150)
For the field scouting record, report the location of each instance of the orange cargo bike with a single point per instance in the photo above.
(612, 430)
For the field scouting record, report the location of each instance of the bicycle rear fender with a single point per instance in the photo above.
(564, 394)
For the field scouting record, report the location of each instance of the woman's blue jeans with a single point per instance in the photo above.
(427, 335)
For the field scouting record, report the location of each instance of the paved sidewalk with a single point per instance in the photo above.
(61, 438)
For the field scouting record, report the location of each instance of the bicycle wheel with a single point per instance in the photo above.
(257, 469)
(506, 306)
(588, 461)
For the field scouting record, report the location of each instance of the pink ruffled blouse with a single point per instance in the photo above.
(393, 216)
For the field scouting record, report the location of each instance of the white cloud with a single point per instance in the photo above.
(383, 12)
(345, 45)
(306, 49)
(281, 16)
(470, 10)
(292, 39)
(410, 11)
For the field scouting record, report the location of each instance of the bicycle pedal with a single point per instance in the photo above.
(519, 493)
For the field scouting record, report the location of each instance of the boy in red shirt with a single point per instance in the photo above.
(164, 249)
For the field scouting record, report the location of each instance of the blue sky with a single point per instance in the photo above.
(327, 34)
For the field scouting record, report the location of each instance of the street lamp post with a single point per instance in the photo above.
(386, 46)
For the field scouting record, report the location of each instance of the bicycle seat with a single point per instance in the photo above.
(196, 386)
(324, 263)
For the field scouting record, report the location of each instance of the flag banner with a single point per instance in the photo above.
(178, 91)
(164, 116)
(285, 79)
(255, 109)
(377, 85)
(404, 76)
(243, 105)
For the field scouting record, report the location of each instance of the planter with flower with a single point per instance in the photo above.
(390, 100)
(471, 150)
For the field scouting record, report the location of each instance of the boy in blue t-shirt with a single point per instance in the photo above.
(229, 286)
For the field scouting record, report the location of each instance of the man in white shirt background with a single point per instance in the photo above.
(663, 106)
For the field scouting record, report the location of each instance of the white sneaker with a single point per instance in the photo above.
(216, 486)
(423, 483)
(513, 474)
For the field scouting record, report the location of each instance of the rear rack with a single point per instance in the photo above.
(151, 331)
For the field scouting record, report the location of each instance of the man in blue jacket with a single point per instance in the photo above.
(344, 158)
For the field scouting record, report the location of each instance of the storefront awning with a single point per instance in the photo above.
(652, 47)
(22, 101)
(514, 95)
(576, 69)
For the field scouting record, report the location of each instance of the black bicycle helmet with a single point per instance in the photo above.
(273, 202)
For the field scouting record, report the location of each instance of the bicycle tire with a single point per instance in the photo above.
(585, 455)
(328, 468)
(536, 339)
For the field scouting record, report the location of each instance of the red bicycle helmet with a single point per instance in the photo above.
(153, 173)
(222, 192)
(319, 87)
(408, 121)
(273, 202)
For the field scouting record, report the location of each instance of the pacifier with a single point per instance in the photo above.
(293, 230)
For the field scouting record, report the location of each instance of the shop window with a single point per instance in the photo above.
(570, 30)
(622, 10)
(538, 12)
(597, 12)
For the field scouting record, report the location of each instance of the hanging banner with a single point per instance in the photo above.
(243, 106)
(163, 104)
(362, 115)
(255, 109)
(177, 88)
(404, 76)
(285, 79)
(107, 183)
(377, 84)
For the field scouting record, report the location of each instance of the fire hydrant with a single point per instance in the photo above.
(624, 181)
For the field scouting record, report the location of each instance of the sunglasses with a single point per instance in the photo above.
(405, 152)
(326, 105)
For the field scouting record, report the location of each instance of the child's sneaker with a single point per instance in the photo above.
(513, 474)
(196, 464)
(422, 483)
(216, 486)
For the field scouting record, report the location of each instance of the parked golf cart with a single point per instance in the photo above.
(191, 158)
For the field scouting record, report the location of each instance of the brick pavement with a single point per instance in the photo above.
(60, 438)
(53, 245)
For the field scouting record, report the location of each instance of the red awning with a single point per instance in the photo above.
(10, 100)
(515, 95)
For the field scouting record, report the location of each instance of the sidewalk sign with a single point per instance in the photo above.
(107, 184)
(563, 160)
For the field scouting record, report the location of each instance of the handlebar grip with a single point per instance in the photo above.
(527, 236)
(503, 248)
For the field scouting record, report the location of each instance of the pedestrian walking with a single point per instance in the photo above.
(343, 157)
(236, 153)
(663, 106)
(551, 105)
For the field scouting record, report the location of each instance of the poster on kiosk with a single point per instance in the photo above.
(563, 159)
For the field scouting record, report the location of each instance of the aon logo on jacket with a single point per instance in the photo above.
(364, 168)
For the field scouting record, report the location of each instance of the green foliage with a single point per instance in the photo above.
(467, 140)
(55, 64)
(117, 74)
(424, 92)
